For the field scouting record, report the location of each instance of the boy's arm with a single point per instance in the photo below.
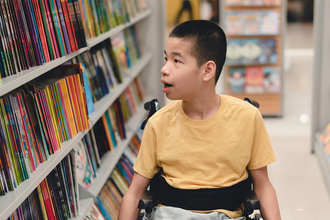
(129, 205)
(266, 194)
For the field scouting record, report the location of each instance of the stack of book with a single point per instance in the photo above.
(126, 46)
(110, 197)
(107, 133)
(34, 32)
(36, 119)
(55, 198)
(100, 16)
(254, 22)
(251, 51)
(254, 79)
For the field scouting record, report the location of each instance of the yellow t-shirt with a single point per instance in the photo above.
(211, 153)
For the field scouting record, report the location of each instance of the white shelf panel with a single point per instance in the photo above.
(12, 82)
(323, 160)
(103, 104)
(85, 206)
(109, 160)
(96, 40)
(10, 202)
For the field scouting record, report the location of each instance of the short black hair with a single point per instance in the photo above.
(208, 42)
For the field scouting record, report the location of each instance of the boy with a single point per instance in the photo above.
(202, 140)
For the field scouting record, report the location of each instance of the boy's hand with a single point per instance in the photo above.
(266, 194)
(129, 205)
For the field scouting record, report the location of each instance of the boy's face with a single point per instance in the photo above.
(181, 76)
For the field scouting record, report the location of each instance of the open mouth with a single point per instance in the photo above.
(166, 85)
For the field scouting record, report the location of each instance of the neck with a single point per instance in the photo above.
(202, 108)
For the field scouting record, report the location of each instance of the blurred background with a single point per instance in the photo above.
(296, 113)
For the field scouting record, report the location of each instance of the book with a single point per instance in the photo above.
(250, 51)
(268, 51)
(63, 25)
(325, 135)
(88, 92)
(272, 82)
(254, 80)
(119, 46)
(56, 45)
(51, 45)
(83, 168)
(236, 80)
(234, 55)
(234, 22)
(269, 22)
(57, 27)
(94, 213)
(251, 21)
(69, 25)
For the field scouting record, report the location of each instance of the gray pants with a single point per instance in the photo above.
(171, 213)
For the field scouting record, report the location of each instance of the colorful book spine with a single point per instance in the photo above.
(64, 28)
(69, 25)
(74, 23)
(41, 29)
(57, 27)
(49, 39)
(20, 38)
(52, 29)
(35, 31)
(25, 32)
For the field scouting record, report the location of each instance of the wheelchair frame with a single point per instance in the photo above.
(251, 202)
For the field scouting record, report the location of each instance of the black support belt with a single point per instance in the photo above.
(229, 198)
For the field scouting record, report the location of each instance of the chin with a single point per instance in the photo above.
(171, 97)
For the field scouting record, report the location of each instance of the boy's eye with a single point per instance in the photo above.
(165, 59)
(176, 61)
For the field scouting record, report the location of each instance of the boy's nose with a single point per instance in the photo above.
(164, 71)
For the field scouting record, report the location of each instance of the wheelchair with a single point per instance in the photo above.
(251, 203)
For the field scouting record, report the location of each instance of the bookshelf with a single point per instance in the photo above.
(245, 73)
(321, 85)
(109, 161)
(14, 81)
(146, 67)
(96, 40)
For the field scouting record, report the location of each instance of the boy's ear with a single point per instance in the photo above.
(209, 70)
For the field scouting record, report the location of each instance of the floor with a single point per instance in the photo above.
(296, 175)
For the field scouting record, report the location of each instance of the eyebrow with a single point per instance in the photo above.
(176, 54)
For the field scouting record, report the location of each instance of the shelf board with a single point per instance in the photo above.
(109, 160)
(323, 160)
(103, 104)
(12, 82)
(10, 201)
(96, 40)
(85, 206)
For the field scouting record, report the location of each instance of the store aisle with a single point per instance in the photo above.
(296, 175)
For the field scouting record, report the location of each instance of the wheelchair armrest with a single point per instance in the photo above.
(258, 217)
(251, 203)
(147, 205)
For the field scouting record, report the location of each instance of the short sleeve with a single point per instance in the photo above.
(146, 163)
(262, 153)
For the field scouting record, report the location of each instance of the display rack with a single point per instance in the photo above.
(321, 84)
(270, 102)
(146, 24)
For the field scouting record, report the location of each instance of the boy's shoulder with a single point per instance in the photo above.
(169, 110)
(236, 103)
